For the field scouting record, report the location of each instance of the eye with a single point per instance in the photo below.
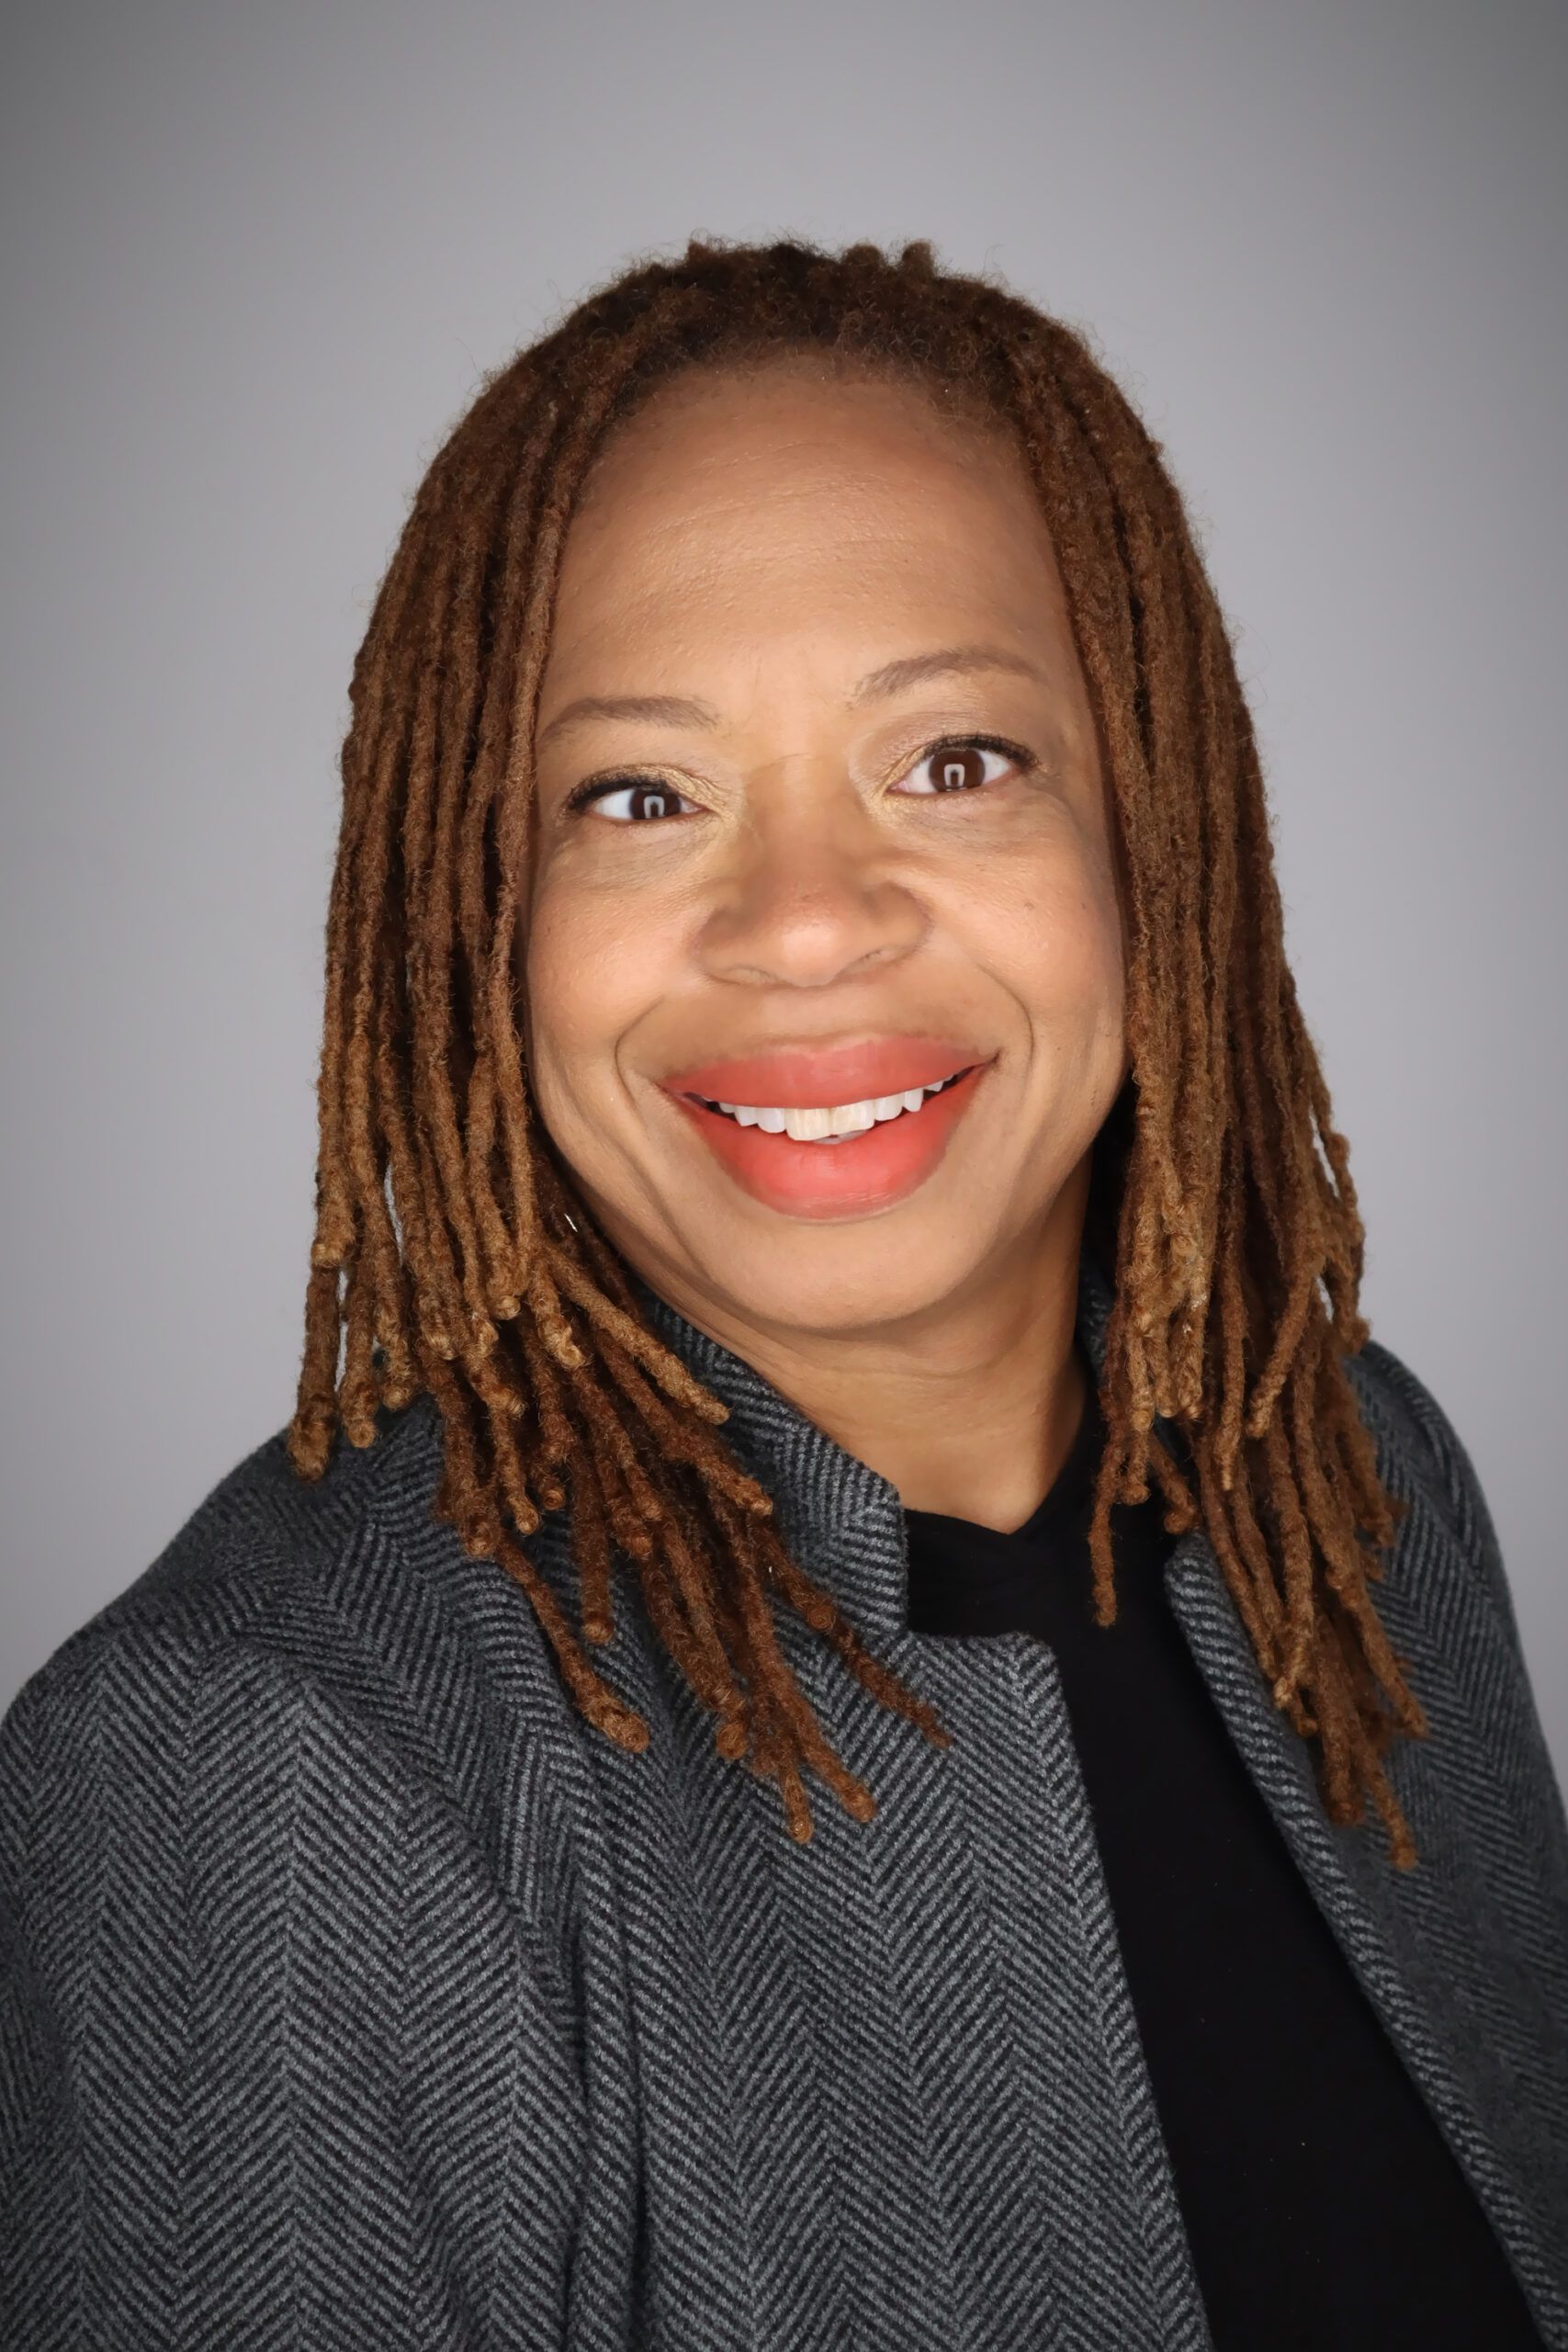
(961, 762)
(630, 800)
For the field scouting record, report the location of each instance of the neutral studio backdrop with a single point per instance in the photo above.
(256, 257)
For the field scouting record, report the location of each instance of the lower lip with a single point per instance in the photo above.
(866, 1171)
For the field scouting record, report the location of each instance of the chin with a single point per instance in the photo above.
(840, 1278)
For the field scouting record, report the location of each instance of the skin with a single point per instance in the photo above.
(761, 543)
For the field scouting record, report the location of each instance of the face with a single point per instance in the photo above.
(820, 827)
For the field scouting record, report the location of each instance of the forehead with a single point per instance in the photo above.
(742, 501)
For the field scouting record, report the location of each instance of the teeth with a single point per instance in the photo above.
(809, 1126)
(813, 1124)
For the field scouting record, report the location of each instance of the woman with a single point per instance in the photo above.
(847, 1292)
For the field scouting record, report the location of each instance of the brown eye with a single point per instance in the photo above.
(632, 802)
(957, 767)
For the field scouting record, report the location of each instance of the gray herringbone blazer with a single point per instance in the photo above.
(359, 1996)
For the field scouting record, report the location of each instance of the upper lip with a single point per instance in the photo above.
(799, 1077)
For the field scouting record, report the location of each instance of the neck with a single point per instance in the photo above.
(970, 1410)
(976, 1426)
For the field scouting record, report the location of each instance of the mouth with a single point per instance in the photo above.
(837, 1125)
(834, 1160)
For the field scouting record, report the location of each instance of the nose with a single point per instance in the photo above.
(810, 897)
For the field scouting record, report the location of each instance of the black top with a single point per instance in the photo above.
(1323, 2205)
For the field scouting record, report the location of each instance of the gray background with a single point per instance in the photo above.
(256, 259)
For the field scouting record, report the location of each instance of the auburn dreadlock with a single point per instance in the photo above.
(452, 1254)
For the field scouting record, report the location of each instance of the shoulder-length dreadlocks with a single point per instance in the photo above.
(452, 1254)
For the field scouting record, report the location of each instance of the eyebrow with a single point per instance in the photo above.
(878, 685)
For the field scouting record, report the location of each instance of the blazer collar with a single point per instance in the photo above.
(844, 1519)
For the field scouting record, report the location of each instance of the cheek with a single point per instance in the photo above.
(589, 972)
(1053, 938)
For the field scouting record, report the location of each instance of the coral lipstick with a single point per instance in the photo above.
(852, 1175)
(796, 1076)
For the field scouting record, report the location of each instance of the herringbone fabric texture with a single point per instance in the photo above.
(359, 1995)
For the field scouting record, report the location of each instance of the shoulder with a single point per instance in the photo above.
(256, 1562)
(1416, 1432)
(1423, 1460)
(334, 1631)
(287, 1869)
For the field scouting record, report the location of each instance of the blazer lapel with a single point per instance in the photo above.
(1436, 1950)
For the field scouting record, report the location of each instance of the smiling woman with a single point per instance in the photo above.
(756, 494)
(832, 1259)
(823, 879)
